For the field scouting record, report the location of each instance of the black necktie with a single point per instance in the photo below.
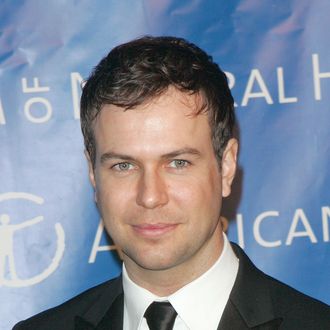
(160, 316)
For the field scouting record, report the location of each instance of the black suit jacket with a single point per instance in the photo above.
(257, 301)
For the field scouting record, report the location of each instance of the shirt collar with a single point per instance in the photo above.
(136, 301)
(202, 300)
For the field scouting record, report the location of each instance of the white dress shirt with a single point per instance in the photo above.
(199, 304)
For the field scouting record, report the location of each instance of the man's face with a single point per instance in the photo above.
(158, 184)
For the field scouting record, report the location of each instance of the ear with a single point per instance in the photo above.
(91, 173)
(228, 166)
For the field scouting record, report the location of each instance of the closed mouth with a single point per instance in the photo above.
(154, 230)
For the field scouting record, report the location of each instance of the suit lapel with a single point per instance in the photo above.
(271, 325)
(250, 305)
(113, 319)
(106, 312)
(81, 324)
(232, 320)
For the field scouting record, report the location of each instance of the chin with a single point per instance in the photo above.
(155, 262)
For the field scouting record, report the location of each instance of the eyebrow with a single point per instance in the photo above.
(183, 151)
(173, 154)
(113, 155)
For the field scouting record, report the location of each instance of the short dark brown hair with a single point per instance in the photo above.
(135, 72)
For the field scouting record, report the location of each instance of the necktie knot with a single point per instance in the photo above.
(160, 316)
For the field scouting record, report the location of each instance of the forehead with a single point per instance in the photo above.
(172, 118)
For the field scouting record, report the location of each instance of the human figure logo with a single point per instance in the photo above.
(7, 233)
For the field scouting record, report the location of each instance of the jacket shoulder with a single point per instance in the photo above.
(260, 297)
(63, 316)
(298, 309)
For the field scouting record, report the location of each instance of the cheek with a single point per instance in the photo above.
(114, 201)
(112, 198)
(196, 193)
(113, 209)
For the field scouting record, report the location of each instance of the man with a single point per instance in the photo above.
(157, 119)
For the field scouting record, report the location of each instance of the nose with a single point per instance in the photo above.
(152, 190)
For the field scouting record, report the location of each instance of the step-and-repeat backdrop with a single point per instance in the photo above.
(277, 58)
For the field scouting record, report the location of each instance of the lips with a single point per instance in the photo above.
(154, 230)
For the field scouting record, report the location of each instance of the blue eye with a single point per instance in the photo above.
(124, 166)
(179, 163)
